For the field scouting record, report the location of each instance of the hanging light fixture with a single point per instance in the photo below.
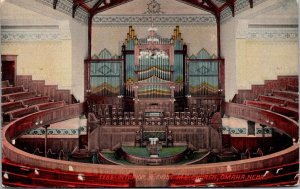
(152, 52)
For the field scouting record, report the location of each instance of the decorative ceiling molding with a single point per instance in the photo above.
(239, 6)
(268, 32)
(273, 34)
(21, 36)
(33, 33)
(158, 19)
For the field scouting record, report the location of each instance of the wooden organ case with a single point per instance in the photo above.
(154, 83)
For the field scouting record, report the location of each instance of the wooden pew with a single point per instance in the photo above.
(287, 94)
(9, 90)
(286, 183)
(294, 105)
(279, 100)
(259, 104)
(4, 99)
(272, 99)
(294, 88)
(74, 184)
(12, 115)
(286, 111)
(10, 106)
(49, 105)
(5, 84)
(15, 178)
(20, 96)
(227, 178)
(35, 101)
(59, 178)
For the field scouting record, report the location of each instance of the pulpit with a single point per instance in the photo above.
(153, 147)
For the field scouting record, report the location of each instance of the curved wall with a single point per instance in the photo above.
(145, 175)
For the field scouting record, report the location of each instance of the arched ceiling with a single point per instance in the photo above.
(96, 6)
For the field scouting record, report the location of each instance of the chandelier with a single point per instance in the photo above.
(152, 51)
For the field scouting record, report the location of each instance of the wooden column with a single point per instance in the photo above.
(46, 138)
(218, 20)
(90, 25)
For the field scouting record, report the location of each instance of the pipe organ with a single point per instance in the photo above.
(149, 84)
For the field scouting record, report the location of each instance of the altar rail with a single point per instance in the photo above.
(151, 161)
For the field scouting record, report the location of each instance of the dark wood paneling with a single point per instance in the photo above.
(50, 91)
(55, 144)
(63, 95)
(37, 86)
(24, 80)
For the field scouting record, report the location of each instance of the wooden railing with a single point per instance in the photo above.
(40, 119)
(264, 117)
(233, 177)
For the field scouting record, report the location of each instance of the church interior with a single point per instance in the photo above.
(149, 93)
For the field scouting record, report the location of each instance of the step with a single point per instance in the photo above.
(10, 90)
(287, 94)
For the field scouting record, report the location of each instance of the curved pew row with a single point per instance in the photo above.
(289, 112)
(145, 175)
(239, 178)
(38, 176)
(10, 90)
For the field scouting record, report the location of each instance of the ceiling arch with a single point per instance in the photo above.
(93, 7)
